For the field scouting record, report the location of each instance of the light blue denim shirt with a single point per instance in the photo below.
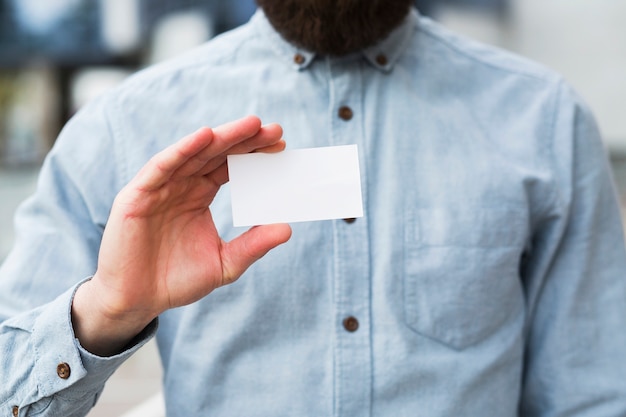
(487, 277)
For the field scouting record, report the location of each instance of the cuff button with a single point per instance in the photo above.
(16, 411)
(63, 370)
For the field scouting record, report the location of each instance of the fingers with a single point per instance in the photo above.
(219, 176)
(163, 165)
(275, 148)
(241, 128)
(267, 135)
(243, 251)
(267, 139)
(205, 150)
(241, 136)
(223, 138)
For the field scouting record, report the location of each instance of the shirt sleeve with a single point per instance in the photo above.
(45, 371)
(574, 278)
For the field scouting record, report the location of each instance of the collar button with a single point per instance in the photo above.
(299, 59)
(381, 59)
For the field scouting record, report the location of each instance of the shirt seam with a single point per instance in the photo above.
(500, 67)
(557, 198)
(551, 81)
(121, 162)
(206, 55)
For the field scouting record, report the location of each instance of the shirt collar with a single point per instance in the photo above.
(382, 56)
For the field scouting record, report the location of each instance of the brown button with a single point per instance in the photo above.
(63, 370)
(16, 411)
(299, 59)
(350, 220)
(382, 60)
(351, 324)
(345, 112)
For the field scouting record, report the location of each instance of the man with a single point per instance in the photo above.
(485, 279)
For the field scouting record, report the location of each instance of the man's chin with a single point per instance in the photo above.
(335, 27)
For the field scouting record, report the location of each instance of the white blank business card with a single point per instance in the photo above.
(295, 186)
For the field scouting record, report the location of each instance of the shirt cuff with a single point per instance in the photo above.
(60, 360)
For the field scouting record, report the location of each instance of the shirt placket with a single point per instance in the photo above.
(353, 368)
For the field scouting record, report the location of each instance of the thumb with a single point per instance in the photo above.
(243, 251)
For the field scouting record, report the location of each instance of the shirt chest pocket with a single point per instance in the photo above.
(461, 277)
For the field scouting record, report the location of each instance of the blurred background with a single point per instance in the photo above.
(55, 55)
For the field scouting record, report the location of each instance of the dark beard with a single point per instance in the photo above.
(335, 27)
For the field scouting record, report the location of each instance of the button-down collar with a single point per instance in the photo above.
(386, 53)
(383, 55)
(298, 57)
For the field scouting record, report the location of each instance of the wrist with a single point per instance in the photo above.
(101, 330)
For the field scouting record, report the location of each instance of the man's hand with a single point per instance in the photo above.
(160, 248)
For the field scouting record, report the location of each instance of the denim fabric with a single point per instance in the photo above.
(487, 275)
